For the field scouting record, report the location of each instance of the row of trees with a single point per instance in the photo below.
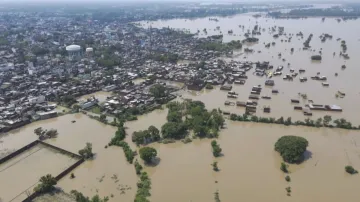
(326, 121)
(118, 140)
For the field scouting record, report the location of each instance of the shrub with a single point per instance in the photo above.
(350, 170)
(287, 178)
(284, 167)
(291, 148)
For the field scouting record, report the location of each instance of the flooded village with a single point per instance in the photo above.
(208, 96)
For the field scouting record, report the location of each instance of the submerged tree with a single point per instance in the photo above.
(47, 184)
(147, 154)
(291, 148)
(86, 153)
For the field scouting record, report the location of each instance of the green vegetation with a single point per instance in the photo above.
(215, 166)
(66, 101)
(96, 110)
(144, 186)
(147, 154)
(326, 121)
(47, 184)
(350, 170)
(287, 178)
(217, 197)
(291, 148)
(216, 150)
(284, 167)
(209, 86)
(152, 134)
(219, 46)
(79, 197)
(138, 167)
(86, 153)
(191, 115)
(165, 57)
(45, 134)
(288, 190)
(119, 136)
(158, 91)
(129, 154)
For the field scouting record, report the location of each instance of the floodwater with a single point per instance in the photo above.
(250, 168)
(22, 173)
(280, 105)
(100, 95)
(109, 173)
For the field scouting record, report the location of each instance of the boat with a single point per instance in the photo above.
(295, 101)
(266, 97)
(325, 84)
(275, 91)
(279, 68)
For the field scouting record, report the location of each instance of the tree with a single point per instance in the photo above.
(291, 148)
(216, 150)
(154, 133)
(215, 166)
(158, 91)
(350, 170)
(174, 116)
(47, 184)
(173, 130)
(327, 120)
(87, 151)
(147, 154)
(79, 197)
(284, 167)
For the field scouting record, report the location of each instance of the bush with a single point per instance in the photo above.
(287, 178)
(291, 148)
(216, 150)
(284, 167)
(350, 170)
(138, 167)
(47, 184)
(215, 167)
(86, 153)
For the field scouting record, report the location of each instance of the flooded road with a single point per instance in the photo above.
(280, 105)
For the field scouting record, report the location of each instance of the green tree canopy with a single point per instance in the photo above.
(147, 154)
(173, 130)
(87, 151)
(47, 184)
(158, 91)
(291, 148)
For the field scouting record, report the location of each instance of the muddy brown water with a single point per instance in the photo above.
(249, 169)
(280, 105)
(107, 174)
